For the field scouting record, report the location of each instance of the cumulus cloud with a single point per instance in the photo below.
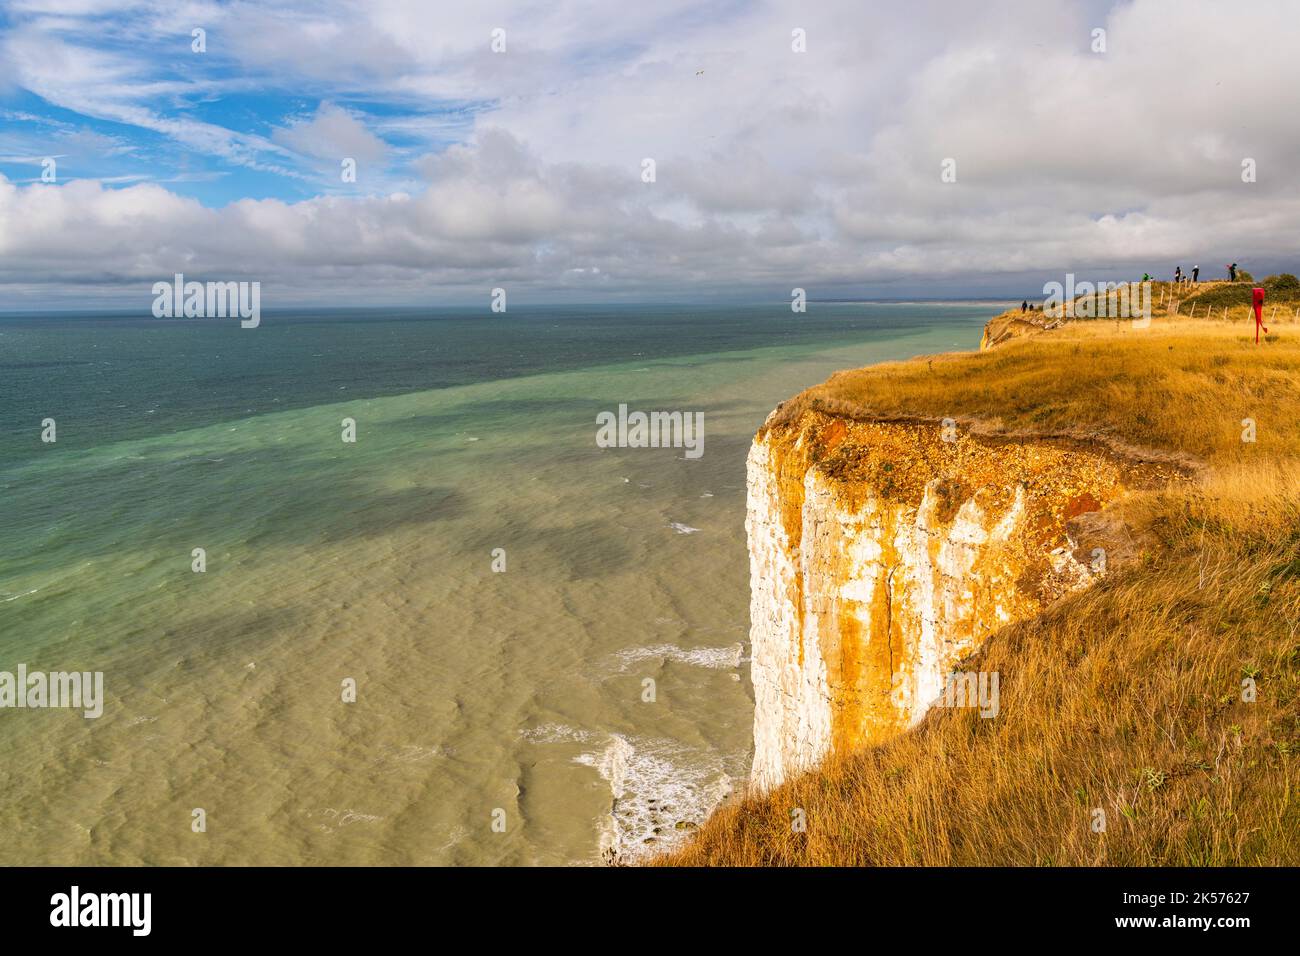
(774, 168)
(332, 134)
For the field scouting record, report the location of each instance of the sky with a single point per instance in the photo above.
(856, 149)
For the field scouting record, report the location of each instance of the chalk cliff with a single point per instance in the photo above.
(882, 553)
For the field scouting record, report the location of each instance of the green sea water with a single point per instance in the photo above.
(514, 698)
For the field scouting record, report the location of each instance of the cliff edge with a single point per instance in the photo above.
(1089, 535)
(883, 553)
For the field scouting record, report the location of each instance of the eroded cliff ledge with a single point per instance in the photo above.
(882, 553)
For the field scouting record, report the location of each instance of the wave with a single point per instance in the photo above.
(660, 791)
(556, 734)
(718, 658)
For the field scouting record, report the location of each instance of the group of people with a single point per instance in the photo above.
(1180, 276)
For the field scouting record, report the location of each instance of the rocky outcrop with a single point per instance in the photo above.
(882, 553)
(1013, 324)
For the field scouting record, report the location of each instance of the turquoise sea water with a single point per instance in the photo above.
(481, 696)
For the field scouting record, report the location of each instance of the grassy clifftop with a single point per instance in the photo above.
(1220, 299)
(1132, 698)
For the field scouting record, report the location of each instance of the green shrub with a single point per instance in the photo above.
(1283, 285)
(1230, 294)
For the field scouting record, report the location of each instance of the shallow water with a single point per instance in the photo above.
(521, 692)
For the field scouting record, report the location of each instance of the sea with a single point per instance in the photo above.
(469, 636)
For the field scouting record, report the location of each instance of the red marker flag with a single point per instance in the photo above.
(1258, 300)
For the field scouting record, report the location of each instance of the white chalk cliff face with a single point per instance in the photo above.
(883, 553)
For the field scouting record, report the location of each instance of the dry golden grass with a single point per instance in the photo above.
(1126, 698)
(1182, 386)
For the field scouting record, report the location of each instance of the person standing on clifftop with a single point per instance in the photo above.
(1024, 306)
(1178, 274)
(1232, 272)
(1196, 274)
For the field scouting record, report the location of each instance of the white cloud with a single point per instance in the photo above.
(332, 134)
(774, 168)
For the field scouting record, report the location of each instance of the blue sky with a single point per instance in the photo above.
(242, 144)
(779, 161)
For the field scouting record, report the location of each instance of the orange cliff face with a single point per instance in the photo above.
(882, 553)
